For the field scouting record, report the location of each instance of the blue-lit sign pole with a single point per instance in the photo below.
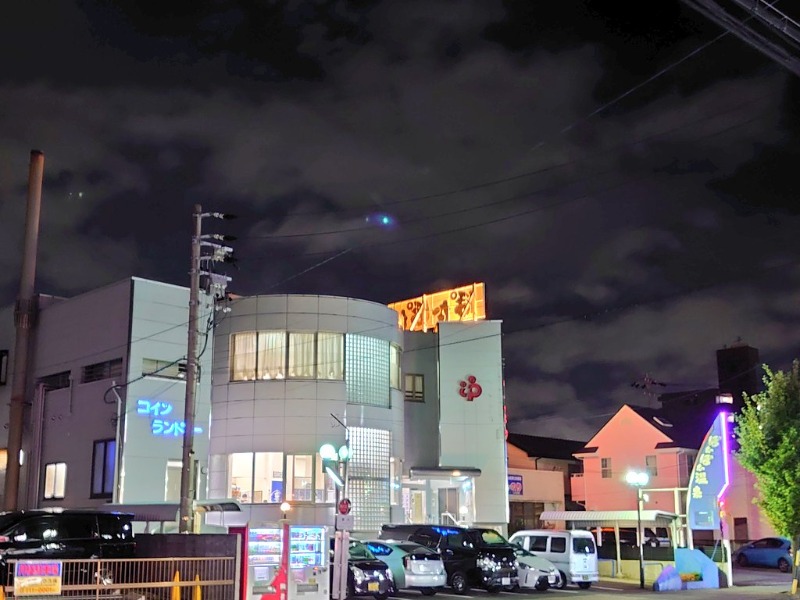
(708, 483)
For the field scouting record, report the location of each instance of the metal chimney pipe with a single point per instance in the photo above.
(25, 313)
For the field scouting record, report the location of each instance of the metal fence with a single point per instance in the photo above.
(206, 578)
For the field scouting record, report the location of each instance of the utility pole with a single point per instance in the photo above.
(25, 313)
(216, 286)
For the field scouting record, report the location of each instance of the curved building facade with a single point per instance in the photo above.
(292, 373)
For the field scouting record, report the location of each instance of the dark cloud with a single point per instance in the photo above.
(615, 241)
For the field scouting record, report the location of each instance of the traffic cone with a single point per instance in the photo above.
(175, 594)
(197, 593)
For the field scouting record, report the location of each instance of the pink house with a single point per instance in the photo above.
(640, 439)
(643, 439)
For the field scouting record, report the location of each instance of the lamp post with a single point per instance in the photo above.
(639, 479)
(285, 508)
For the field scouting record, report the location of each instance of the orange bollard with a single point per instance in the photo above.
(175, 593)
(197, 592)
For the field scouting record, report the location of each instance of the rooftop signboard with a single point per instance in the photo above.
(424, 313)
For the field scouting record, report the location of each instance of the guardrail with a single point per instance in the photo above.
(213, 578)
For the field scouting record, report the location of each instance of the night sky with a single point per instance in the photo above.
(618, 238)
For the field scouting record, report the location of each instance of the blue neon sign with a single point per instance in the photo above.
(158, 426)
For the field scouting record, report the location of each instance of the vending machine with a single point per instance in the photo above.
(297, 571)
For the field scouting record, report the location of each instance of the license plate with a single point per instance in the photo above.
(373, 586)
(585, 578)
(506, 580)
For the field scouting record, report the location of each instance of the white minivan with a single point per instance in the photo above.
(572, 552)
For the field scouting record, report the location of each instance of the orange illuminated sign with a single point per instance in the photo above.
(466, 303)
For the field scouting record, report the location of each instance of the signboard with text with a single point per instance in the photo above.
(37, 578)
(424, 313)
(710, 476)
(515, 485)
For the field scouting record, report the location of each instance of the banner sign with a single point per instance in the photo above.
(515, 485)
(710, 476)
(37, 578)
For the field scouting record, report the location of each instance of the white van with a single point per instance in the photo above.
(572, 552)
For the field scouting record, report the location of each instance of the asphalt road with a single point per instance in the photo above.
(751, 582)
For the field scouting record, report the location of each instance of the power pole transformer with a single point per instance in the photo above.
(216, 285)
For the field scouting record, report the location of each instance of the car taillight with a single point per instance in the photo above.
(4, 539)
(405, 561)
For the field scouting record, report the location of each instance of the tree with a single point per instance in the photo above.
(768, 432)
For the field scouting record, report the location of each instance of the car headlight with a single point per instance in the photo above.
(358, 575)
(389, 575)
(485, 562)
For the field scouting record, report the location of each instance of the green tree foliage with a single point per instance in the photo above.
(768, 431)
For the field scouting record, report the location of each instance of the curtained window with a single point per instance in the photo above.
(330, 355)
(243, 350)
(301, 355)
(271, 354)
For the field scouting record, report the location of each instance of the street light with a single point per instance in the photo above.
(639, 479)
(285, 508)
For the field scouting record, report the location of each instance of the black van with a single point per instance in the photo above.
(63, 534)
(472, 557)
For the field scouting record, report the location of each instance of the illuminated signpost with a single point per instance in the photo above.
(708, 483)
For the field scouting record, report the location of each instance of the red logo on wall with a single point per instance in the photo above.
(470, 389)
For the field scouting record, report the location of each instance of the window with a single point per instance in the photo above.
(330, 355)
(538, 543)
(258, 355)
(605, 468)
(299, 477)
(324, 486)
(109, 369)
(36, 530)
(367, 368)
(558, 544)
(394, 366)
(268, 483)
(163, 368)
(240, 476)
(103, 463)
(369, 476)
(581, 545)
(414, 391)
(651, 465)
(172, 483)
(55, 477)
(301, 355)
(3, 367)
(56, 381)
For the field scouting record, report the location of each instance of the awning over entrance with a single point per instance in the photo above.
(437, 472)
(610, 518)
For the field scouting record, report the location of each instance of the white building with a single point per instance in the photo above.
(281, 375)
(87, 442)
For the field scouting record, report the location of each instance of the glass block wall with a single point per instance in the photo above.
(367, 368)
(368, 477)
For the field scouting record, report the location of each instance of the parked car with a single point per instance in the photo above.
(535, 572)
(366, 576)
(472, 556)
(572, 552)
(766, 552)
(413, 566)
(64, 534)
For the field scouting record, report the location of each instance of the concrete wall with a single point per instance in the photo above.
(473, 432)
(158, 331)
(71, 334)
(422, 418)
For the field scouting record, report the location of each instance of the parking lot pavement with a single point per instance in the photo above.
(749, 584)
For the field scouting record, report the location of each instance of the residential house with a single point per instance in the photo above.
(538, 477)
